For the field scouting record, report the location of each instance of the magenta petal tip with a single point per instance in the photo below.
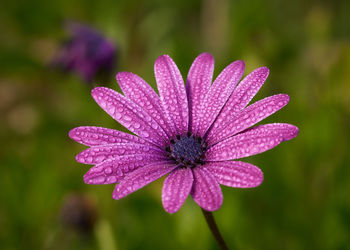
(265, 71)
(206, 56)
(72, 134)
(294, 131)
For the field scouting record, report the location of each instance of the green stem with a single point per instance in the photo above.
(214, 229)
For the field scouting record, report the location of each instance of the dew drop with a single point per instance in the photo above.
(108, 170)
(127, 118)
(117, 115)
(111, 179)
(126, 124)
(155, 125)
(111, 110)
(100, 158)
(119, 172)
(89, 159)
(144, 134)
(98, 180)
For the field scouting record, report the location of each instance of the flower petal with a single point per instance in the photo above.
(172, 93)
(130, 115)
(176, 188)
(236, 174)
(252, 141)
(206, 191)
(240, 97)
(114, 170)
(94, 136)
(249, 116)
(141, 177)
(197, 85)
(97, 154)
(218, 94)
(137, 90)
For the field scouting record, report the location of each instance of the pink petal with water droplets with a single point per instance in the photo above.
(130, 115)
(137, 90)
(236, 174)
(176, 188)
(141, 177)
(218, 95)
(97, 154)
(252, 141)
(197, 85)
(250, 116)
(172, 93)
(206, 191)
(114, 170)
(240, 98)
(95, 136)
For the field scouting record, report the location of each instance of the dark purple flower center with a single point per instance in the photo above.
(187, 150)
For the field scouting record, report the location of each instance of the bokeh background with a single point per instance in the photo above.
(304, 202)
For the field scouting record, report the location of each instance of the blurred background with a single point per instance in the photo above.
(304, 202)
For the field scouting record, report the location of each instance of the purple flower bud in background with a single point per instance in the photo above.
(86, 52)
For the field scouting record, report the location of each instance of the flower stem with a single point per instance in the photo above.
(214, 229)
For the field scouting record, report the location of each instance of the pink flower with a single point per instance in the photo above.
(193, 134)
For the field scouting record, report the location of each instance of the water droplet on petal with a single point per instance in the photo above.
(108, 170)
(98, 180)
(117, 115)
(111, 179)
(144, 134)
(127, 118)
(155, 125)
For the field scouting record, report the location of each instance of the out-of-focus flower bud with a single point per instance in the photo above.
(86, 52)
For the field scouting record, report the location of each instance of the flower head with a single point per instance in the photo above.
(86, 52)
(195, 134)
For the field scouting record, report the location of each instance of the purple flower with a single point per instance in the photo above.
(193, 134)
(87, 53)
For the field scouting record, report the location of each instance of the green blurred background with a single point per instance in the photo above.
(304, 202)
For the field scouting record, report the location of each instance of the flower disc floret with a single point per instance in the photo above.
(187, 150)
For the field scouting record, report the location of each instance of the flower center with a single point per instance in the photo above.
(187, 150)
